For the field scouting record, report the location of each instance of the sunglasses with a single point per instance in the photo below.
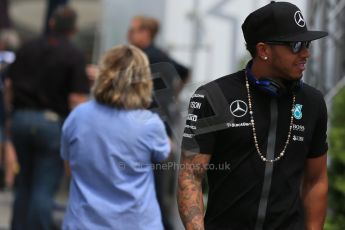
(296, 47)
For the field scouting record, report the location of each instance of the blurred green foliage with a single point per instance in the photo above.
(336, 202)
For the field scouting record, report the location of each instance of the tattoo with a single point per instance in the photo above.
(189, 194)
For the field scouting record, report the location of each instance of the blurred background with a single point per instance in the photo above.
(206, 37)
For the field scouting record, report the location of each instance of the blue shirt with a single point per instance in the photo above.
(110, 152)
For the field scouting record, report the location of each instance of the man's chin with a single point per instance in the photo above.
(295, 77)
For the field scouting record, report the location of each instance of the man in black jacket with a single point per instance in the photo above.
(48, 79)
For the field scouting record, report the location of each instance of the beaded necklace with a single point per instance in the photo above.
(281, 154)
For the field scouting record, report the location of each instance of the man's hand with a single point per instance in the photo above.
(11, 163)
(75, 99)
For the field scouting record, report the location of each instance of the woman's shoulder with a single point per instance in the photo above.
(145, 117)
(82, 110)
(82, 107)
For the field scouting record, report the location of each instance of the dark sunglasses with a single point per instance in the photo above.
(296, 47)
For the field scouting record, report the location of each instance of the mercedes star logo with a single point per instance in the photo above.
(299, 19)
(238, 108)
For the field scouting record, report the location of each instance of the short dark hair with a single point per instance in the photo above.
(65, 19)
(251, 49)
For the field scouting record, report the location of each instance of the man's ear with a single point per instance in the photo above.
(263, 51)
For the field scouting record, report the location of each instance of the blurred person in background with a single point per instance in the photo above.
(142, 33)
(9, 43)
(110, 143)
(47, 80)
(7, 155)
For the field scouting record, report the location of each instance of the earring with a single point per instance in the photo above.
(265, 58)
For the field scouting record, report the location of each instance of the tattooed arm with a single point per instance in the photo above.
(189, 194)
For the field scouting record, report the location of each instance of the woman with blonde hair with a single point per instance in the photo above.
(110, 144)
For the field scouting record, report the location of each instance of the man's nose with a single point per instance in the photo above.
(305, 53)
